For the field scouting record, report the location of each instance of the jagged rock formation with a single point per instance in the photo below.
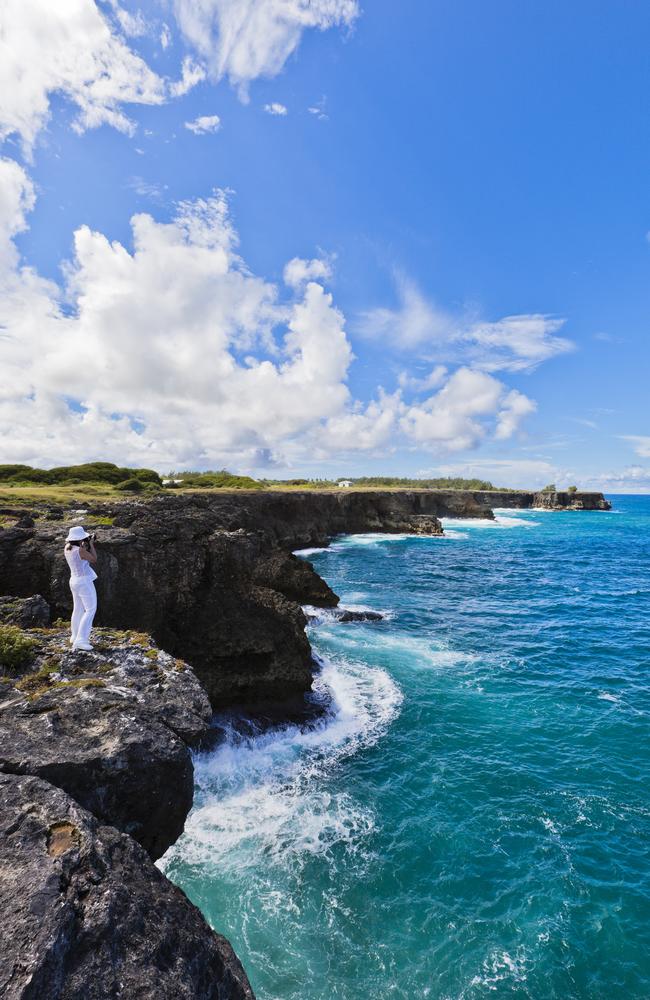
(113, 728)
(95, 764)
(25, 612)
(551, 500)
(96, 783)
(86, 915)
(211, 576)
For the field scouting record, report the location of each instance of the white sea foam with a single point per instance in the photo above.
(408, 651)
(331, 616)
(500, 521)
(606, 696)
(308, 552)
(268, 795)
(499, 966)
(368, 538)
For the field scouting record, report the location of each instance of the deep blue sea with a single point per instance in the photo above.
(473, 820)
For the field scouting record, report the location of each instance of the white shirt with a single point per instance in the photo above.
(80, 569)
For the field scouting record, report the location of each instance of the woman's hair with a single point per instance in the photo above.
(70, 544)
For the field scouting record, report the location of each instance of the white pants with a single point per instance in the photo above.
(83, 611)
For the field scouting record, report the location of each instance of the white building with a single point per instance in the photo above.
(345, 484)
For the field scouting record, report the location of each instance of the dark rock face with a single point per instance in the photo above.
(26, 612)
(295, 578)
(552, 500)
(86, 915)
(113, 728)
(359, 616)
(211, 576)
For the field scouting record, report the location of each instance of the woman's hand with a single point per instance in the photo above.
(87, 550)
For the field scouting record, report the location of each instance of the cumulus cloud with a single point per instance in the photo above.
(204, 124)
(298, 271)
(632, 479)
(75, 50)
(246, 39)
(460, 415)
(279, 110)
(515, 473)
(514, 343)
(67, 48)
(172, 352)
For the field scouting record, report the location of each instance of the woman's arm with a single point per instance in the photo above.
(89, 554)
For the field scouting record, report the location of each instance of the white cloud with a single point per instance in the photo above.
(191, 74)
(17, 199)
(633, 479)
(204, 124)
(416, 321)
(640, 442)
(511, 473)
(318, 109)
(175, 353)
(70, 49)
(134, 25)
(461, 414)
(298, 271)
(514, 343)
(279, 110)
(517, 343)
(514, 407)
(146, 188)
(165, 37)
(434, 379)
(246, 39)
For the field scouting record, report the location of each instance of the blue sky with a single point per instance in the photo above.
(466, 186)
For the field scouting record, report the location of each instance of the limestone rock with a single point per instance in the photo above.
(86, 915)
(113, 728)
(26, 612)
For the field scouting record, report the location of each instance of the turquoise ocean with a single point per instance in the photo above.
(472, 819)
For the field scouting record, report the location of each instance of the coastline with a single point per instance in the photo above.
(231, 557)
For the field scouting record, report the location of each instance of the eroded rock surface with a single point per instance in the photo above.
(86, 915)
(26, 612)
(113, 728)
(212, 578)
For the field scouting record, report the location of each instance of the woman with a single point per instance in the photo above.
(81, 557)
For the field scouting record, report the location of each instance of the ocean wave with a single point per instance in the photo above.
(268, 795)
(331, 616)
(395, 650)
(378, 538)
(500, 521)
(308, 552)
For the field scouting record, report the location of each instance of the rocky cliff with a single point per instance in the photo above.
(96, 781)
(95, 748)
(212, 577)
(548, 499)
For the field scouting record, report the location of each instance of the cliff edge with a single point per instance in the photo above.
(211, 576)
(96, 781)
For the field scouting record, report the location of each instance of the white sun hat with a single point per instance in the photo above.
(76, 534)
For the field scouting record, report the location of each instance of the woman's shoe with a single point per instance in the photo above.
(82, 645)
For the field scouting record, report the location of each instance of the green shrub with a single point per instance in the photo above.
(572, 489)
(132, 485)
(16, 648)
(551, 488)
(69, 475)
(222, 479)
